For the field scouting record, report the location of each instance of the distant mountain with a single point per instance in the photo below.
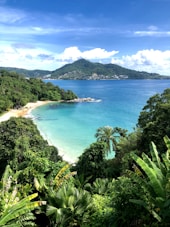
(86, 70)
(28, 73)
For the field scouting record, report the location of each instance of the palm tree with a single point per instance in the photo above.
(110, 136)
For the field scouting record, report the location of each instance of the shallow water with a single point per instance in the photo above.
(71, 127)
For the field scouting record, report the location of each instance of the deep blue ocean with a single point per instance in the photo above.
(71, 127)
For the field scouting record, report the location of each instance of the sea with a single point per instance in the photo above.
(71, 127)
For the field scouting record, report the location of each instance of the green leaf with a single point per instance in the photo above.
(155, 183)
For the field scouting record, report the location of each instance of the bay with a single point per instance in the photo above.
(71, 127)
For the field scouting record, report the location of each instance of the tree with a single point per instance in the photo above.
(22, 146)
(110, 136)
(154, 121)
(125, 146)
(126, 213)
(16, 91)
(91, 163)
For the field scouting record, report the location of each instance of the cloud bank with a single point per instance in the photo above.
(30, 57)
(154, 61)
(33, 40)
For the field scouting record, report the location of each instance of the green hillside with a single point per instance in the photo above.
(86, 70)
(16, 91)
(27, 73)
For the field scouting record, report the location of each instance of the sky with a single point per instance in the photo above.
(47, 34)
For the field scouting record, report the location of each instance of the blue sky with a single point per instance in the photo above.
(41, 34)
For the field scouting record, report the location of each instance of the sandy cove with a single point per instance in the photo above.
(22, 112)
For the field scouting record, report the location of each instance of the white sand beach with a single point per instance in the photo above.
(22, 112)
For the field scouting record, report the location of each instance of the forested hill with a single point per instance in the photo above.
(86, 70)
(16, 91)
(27, 73)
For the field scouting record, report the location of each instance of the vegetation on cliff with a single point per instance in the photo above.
(16, 91)
(38, 188)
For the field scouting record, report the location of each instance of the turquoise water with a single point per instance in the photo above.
(71, 127)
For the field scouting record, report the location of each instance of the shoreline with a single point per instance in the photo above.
(23, 111)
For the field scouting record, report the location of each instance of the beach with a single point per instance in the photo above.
(23, 111)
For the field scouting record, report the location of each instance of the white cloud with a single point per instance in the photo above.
(98, 53)
(23, 55)
(29, 57)
(73, 53)
(147, 60)
(152, 33)
(152, 30)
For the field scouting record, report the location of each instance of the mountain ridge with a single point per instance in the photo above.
(85, 70)
(36, 73)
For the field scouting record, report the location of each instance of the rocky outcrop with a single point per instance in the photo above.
(88, 99)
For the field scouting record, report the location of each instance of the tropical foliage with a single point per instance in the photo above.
(156, 182)
(15, 210)
(39, 189)
(154, 121)
(23, 148)
(16, 91)
(68, 206)
(90, 164)
(110, 136)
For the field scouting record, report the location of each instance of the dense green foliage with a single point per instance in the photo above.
(16, 91)
(85, 70)
(155, 182)
(23, 148)
(91, 163)
(15, 210)
(38, 188)
(154, 121)
(110, 136)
